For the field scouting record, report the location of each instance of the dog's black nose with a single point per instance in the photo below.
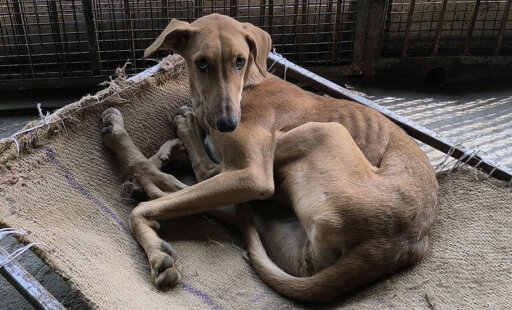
(227, 124)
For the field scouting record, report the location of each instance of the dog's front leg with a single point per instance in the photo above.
(115, 137)
(187, 129)
(249, 177)
(223, 189)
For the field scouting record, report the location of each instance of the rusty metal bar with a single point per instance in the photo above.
(18, 17)
(165, 20)
(414, 130)
(296, 19)
(233, 8)
(27, 285)
(129, 24)
(165, 12)
(439, 28)
(199, 8)
(270, 19)
(408, 28)
(328, 19)
(263, 5)
(21, 35)
(91, 36)
(374, 30)
(504, 19)
(469, 37)
(338, 28)
(56, 34)
(360, 34)
(303, 30)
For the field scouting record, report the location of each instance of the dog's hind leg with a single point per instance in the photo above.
(170, 151)
(319, 187)
(281, 234)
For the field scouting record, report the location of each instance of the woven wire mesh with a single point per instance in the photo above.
(465, 27)
(48, 39)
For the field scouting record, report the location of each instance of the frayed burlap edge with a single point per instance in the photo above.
(479, 175)
(64, 120)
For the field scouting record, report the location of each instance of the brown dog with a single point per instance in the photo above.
(363, 192)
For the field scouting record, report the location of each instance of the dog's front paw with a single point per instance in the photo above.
(184, 121)
(112, 123)
(163, 270)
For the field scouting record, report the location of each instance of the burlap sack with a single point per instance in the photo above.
(64, 189)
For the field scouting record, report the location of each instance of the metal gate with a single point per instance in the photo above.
(448, 28)
(49, 43)
(69, 39)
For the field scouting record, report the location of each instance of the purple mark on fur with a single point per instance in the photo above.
(83, 191)
(202, 295)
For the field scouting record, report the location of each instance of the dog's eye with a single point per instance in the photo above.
(202, 65)
(240, 62)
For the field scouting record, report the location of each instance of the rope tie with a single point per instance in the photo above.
(281, 57)
(10, 231)
(490, 173)
(443, 164)
(44, 118)
(4, 232)
(19, 252)
(460, 160)
(97, 101)
(63, 124)
(16, 143)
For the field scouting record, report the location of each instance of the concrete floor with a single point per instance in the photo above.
(9, 124)
(476, 114)
(479, 114)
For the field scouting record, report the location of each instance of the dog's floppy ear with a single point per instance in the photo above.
(260, 44)
(175, 37)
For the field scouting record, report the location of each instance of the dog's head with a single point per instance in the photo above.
(223, 56)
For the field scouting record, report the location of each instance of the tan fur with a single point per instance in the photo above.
(363, 193)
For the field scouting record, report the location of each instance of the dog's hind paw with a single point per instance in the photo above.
(172, 150)
(131, 189)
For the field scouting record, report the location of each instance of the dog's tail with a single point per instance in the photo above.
(348, 272)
